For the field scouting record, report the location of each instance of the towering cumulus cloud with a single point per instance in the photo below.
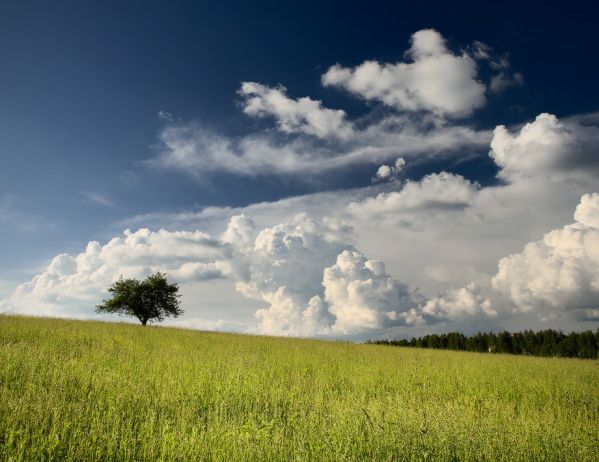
(314, 282)
(362, 296)
(435, 79)
(559, 273)
(283, 267)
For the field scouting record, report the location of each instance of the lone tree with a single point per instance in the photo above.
(152, 299)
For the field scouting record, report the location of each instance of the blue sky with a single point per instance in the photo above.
(90, 91)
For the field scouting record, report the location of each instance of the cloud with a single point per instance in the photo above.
(284, 268)
(263, 214)
(436, 84)
(465, 302)
(99, 199)
(356, 296)
(433, 85)
(12, 216)
(72, 285)
(504, 80)
(434, 192)
(239, 232)
(559, 273)
(500, 64)
(587, 211)
(302, 115)
(307, 277)
(195, 150)
(322, 273)
(442, 220)
(198, 151)
(390, 172)
(165, 115)
(564, 149)
(313, 280)
(435, 80)
(361, 296)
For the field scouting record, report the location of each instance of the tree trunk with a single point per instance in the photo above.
(144, 322)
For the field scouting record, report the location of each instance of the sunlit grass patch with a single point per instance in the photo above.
(72, 390)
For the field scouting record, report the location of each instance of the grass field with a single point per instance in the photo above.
(72, 390)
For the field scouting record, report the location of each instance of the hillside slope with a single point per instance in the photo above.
(73, 390)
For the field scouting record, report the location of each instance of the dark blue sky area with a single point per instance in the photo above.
(81, 84)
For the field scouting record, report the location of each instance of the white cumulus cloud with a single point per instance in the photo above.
(458, 303)
(302, 115)
(435, 79)
(284, 268)
(314, 281)
(72, 285)
(389, 172)
(435, 191)
(361, 296)
(559, 273)
(565, 149)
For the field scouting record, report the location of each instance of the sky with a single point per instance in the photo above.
(320, 169)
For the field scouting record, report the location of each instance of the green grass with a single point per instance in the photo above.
(72, 390)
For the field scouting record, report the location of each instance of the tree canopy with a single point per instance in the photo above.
(151, 300)
(547, 342)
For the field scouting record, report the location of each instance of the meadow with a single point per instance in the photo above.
(74, 390)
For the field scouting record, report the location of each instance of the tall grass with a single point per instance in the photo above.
(72, 390)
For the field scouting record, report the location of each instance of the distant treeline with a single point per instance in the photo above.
(543, 343)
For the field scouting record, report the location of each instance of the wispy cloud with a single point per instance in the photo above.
(422, 98)
(191, 148)
(13, 217)
(98, 198)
